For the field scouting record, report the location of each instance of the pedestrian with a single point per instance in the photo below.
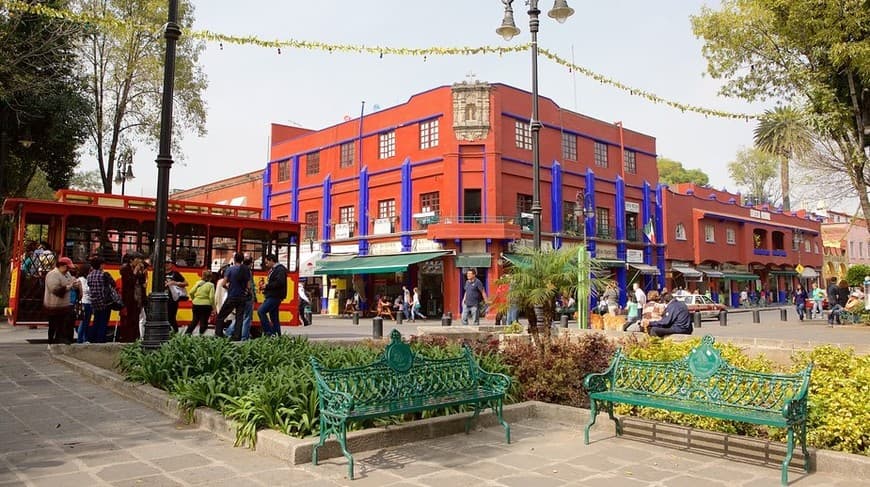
(99, 283)
(237, 280)
(474, 296)
(416, 307)
(800, 301)
(652, 311)
(85, 301)
(56, 299)
(842, 298)
(175, 283)
(676, 320)
(611, 295)
(633, 315)
(639, 295)
(250, 300)
(274, 292)
(818, 296)
(832, 293)
(132, 294)
(406, 302)
(304, 306)
(202, 300)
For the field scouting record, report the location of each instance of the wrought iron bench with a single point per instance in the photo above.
(403, 382)
(703, 383)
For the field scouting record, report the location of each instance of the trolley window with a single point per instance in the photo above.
(285, 246)
(123, 234)
(146, 239)
(189, 245)
(84, 238)
(224, 242)
(255, 243)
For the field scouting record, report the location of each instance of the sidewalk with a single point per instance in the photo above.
(61, 430)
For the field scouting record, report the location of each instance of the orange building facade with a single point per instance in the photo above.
(416, 194)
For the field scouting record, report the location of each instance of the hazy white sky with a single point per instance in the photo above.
(645, 44)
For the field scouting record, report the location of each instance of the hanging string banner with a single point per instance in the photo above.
(114, 24)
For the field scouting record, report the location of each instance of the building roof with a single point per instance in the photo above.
(217, 185)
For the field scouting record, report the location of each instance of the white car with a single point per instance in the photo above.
(700, 303)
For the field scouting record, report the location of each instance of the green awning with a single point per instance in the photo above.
(741, 277)
(374, 264)
(613, 263)
(473, 260)
(779, 272)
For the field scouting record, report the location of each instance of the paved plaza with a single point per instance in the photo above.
(58, 429)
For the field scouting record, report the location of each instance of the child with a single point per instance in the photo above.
(633, 312)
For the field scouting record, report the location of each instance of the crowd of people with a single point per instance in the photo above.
(79, 299)
(406, 305)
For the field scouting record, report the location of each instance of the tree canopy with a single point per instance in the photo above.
(673, 172)
(755, 171)
(810, 52)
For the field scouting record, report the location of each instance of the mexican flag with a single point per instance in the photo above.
(649, 231)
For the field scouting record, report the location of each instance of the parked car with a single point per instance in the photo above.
(699, 303)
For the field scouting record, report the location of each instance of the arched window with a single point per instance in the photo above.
(680, 232)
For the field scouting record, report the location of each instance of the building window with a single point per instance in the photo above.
(816, 246)
(524, 203)
(730, 236)
(430, 202)
(523, 135)
(807, 246)
(387, 144)
(600, 154)
(602, 219)
(283, 171)
(345, 214)
(630, 162)
(311, 221)
(569, 146)
(429, 134)
(312, 163)
(861, 249)
(386, 208)
(851, 249)
(569, 218)
(631, 227)
(680, 232)
(347, 154)
(709, 233)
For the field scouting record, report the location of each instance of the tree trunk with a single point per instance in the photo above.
(786, 185)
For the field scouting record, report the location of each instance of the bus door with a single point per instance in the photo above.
(41, 249)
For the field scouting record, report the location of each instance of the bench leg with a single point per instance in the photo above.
(789, 452)
(472, 417)
(497, 409)
(593, 413)
(804, 447)
(342, 441)
(614, 419)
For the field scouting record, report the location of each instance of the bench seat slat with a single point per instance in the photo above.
(702, 408)
(421, 403)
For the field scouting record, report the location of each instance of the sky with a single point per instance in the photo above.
(648, 45)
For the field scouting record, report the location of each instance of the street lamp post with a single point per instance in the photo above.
(124, 171)
(157, 326)
(560, 11)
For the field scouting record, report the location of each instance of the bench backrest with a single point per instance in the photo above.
(704, 375)
(399, 373)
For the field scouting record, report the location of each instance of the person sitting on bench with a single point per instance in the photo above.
(676, 320)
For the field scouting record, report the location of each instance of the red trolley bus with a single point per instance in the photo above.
(200, 236)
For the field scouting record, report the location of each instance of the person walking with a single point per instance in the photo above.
(99, 282)
(304, 306)
(56, 299)
(611, 295)
(818, 295)
(250, 300)
(474, 295)
(633, 315)
(133, 295)
(416, 307)
(406, 302)
(202, 299)
(842, 298)
(87, 311)
(237, 282)
(639, 295)
(832, 293)
(675, 321)
(174, 279)
(800, 301)
(274, 292)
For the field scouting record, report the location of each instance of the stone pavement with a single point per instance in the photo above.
(58, 429)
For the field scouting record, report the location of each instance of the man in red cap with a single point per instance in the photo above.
(58, 284)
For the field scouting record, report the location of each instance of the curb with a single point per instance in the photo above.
(298, 451)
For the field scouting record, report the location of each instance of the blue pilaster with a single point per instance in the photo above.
(660, 233)
(619, 206)
(644, 218)
(590, 222)
(267, 192)
(405, 216)
(556, 191)
(363, 225)
(294, 190)
(327, 213)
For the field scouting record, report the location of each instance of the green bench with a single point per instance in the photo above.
(703, 383)
(402, 382)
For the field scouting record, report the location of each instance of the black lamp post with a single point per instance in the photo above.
(157, 327)
(124, 171)
(560, 11)
(583, 211)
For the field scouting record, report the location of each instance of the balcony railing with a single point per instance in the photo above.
(761, 251)
(780, 253)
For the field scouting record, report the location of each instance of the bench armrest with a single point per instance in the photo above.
(331, 401)
(494, 381)
(795, 409)
(599, 382)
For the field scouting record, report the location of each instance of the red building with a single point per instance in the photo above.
(715, 242)
(414, 194)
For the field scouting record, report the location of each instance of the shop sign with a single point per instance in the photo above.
(426, 245)
(344, 249)
(342, 230)
(434, 266)
(632, 207)
(733, 268)
(385, 248)
(761, 215)
(383, 226)
(605, 251)
(634, 256)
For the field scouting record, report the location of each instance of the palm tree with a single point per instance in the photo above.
(783, 132)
